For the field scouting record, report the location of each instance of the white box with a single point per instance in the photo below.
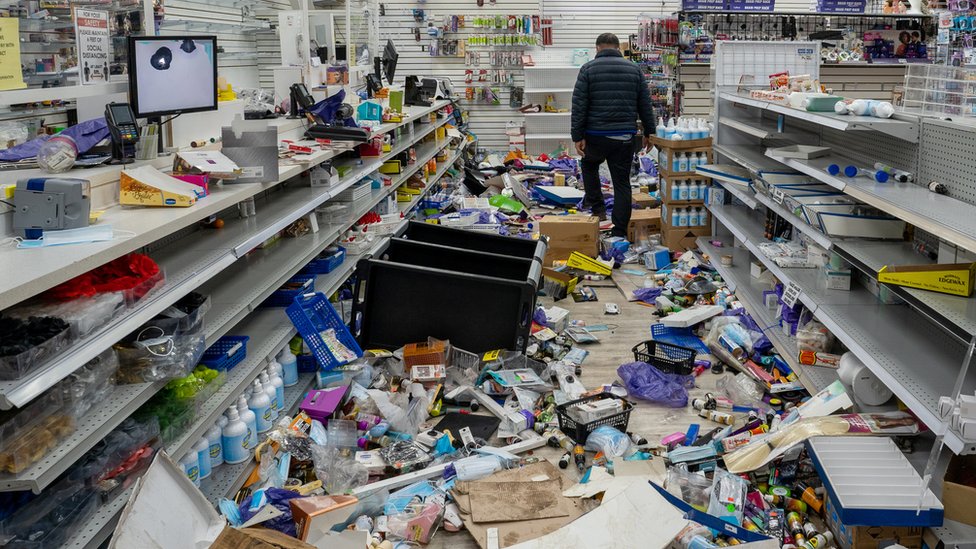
(837, 279)
(557, 318)
(372, 460)
(756, 269)
(592, 411)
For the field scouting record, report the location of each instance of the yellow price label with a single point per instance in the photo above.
(492, 355)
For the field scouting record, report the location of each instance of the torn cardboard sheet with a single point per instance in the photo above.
(625, 474)
(613, 524)
(513, 532)
(508, 501)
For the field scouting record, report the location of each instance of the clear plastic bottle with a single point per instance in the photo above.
(675, 190)
(661, 130)
(685, 130)
(289, 367)
(683, 191)
(683, 162)
(260, 404)
(702, 190)
(248, 417)
(58, 154)
(216, 450)
(693, 191)
(191, 467)
(670, 129)
(202, 448)
(676, 161)
(234, 438)
(272, 394)
(692, 217)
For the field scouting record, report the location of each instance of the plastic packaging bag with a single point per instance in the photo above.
(692, 488)
(337, 472)
(814, 336)
(646, 382)
(728, 496)
(610, 441)
(743, 391)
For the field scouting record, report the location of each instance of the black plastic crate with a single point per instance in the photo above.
(670, 359)
(580, 431)
(420, 231)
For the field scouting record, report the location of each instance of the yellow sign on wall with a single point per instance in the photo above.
(11, 77)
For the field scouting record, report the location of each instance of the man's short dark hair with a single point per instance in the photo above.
(608, 39)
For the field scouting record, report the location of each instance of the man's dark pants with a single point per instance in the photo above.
(619, 156)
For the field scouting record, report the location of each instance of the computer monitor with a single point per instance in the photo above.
(172, 74)
(390, 57)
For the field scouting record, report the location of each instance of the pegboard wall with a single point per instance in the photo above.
(866, 147)
(398, 23)
(947, 157)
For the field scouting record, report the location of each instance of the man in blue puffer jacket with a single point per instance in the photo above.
(609, 97)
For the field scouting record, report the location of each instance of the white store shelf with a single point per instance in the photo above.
(956, 313)
(540, 136)
(808, 230)
(92, 534)
(817, 168)
(749, 157)
(902, 127)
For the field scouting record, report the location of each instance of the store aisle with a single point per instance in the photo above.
(615, 348)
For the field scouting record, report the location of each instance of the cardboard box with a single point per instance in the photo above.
(871, 537)
(958, 494)
(318, 514)
(570, 233)
(256, 538)
(649, 219)
(644, 200)
(683, 238)
(954, 278)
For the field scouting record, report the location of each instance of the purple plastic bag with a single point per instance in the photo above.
(86, 135)
(762, 344)
(646, 382)
(648, 295)
(279, 498)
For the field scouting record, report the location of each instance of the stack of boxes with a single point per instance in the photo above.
(683, 214)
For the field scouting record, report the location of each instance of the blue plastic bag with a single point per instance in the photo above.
(646, 382)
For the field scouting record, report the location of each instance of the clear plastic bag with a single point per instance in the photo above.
(814, 336)
(337, 471)
(728, 496)
(610, 441)
(646, 382)
(743, 391)
(693, 488)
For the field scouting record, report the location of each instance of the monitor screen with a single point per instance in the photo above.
(390, 57)
(172, 74)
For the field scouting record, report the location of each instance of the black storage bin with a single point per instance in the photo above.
(471, 240)
(404, 303)
(410, 252)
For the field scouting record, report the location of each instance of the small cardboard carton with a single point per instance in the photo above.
(644, 200)
(683, 238)
(649, 220)
(959, 490)
(570, 233)
(870, 537)
(955, 278)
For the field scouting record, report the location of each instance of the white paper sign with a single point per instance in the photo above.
(94, 45)
(791, 294)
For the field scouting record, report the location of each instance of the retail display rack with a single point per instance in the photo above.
(919, 348)
(226, 264)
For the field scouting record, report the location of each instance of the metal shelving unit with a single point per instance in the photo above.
(227, 265)
(914, 358)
